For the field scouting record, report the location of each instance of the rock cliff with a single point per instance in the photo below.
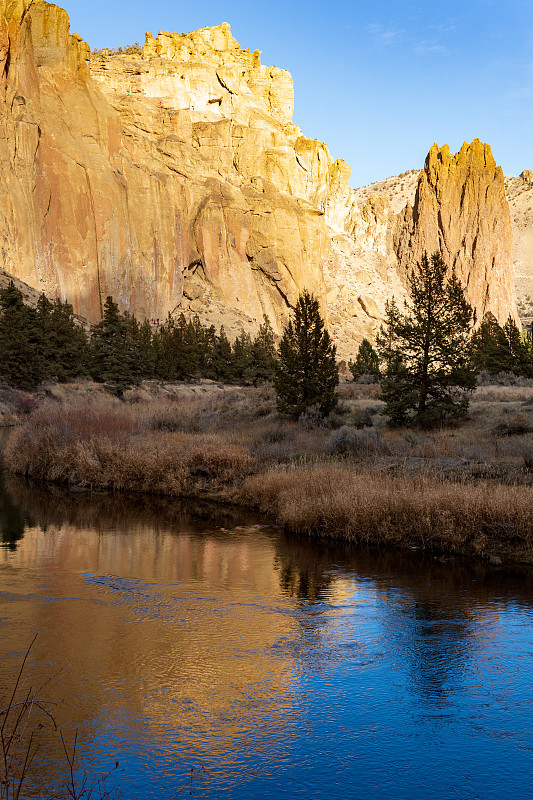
(174, 179)
(158, 189)
(460, 209)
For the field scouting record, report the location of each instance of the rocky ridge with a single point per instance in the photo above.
(401, 190)
(175, 180)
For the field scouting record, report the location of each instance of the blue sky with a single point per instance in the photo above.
(379, 81)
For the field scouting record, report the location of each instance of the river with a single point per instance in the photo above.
(208, 652)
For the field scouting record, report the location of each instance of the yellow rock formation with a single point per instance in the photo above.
(175, 180)
(461, 210)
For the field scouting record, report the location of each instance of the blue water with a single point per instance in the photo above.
(221, 658)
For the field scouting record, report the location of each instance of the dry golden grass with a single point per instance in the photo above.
(355, 479)
(336, 501)
(107, 445)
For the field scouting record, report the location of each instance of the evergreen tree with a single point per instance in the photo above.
(489, 346)
(207, 347)
(426, 349)
(366, 362)
(518, 356)
(242, 359)
(63, 341)
(147, 356)
(189, 356)
(306, 374)
(177, 349)
(21, 362)
(222, 358)
(113, 355)
(263, 353)
(496, 349)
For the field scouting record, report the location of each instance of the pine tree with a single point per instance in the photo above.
(114, 356)
(21, 362)
(264, 353)
(489, 347)
(63, 341)
(366, 362)
(306, 374)
(426, 349)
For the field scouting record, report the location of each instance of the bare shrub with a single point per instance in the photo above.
(522, 450)
(356, 391)
(350, 440)
(361, 417)
(311, 418)
(110, 449)
(503, 394)
(517, 424)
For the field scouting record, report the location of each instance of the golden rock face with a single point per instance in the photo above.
(134, 176)
(175, 180)
(461, 210)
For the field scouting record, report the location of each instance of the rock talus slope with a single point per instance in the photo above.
(174, 179)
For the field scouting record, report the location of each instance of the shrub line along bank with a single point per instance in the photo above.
(236, 450)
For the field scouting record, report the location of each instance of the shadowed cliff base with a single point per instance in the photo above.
(462, 490)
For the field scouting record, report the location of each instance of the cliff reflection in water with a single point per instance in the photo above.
(191, 637)
(185, 654)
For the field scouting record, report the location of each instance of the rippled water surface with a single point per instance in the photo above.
(215, 655)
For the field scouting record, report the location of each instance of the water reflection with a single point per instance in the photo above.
(13, 518)
(285, 667)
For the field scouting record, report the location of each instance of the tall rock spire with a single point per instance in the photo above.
(461, 210)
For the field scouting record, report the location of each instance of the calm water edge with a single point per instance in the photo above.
(214, 654)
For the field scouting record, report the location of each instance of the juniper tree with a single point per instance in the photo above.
(113, 352)
(306, 374)
(21, 362)
(63, 341)
(366, 362)
(426, 349)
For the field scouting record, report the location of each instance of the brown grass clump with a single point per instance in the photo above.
(107, 446)
(464, 489)
(416, 510)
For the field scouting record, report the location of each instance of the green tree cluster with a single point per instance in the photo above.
(47, 342)
(183, 349)
(497, 348)
(38, 343)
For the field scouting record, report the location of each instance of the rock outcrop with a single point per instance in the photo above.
(461, 210)
(175, 180)
(161, 183)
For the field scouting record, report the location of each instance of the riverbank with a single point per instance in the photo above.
(461, 490)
